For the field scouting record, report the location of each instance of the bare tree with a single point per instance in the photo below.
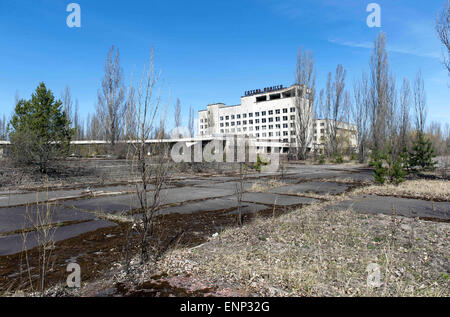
(78, 123)
(177, 118)
(392, 118)
(436, 135)
(443, 31)
(72, 113)
(3, 128)
(111, 97)
(380, 92)
(177, 114)
(240, 192)
(94, 129)
(41, 231)
(360, 113)
(155, 173)
(405, 105)
(67, 103)
(130, 115)
(191, 122)
(334, 108)
(304, 101)
(420, 103)
(347, 133)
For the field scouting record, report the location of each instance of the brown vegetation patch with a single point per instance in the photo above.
(431, 190)
(315, 252)
(262, 187)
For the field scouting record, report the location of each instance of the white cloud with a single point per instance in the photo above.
(390, 48)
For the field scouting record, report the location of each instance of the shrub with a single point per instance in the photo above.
(259, 163)
(338, 159)
(322, 159)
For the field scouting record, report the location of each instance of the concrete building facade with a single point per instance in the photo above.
(269, 116)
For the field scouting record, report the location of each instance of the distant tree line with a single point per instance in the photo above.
(390, 118)
(114, 118)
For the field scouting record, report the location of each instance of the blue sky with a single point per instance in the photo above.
(212, 51)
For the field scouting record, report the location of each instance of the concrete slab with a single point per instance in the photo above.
(249, 209)
(13, 218)
(320, 188)
(275, 199)
(210, 205)
(122, 203)
(403, 206)
(182, 194)
(14, 243)
(228, 185)
(112, 204)
(10, 199)
(223, 178)
(29, 198)
(194, 182)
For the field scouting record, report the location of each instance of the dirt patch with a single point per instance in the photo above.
(177, 286)
(93, 251)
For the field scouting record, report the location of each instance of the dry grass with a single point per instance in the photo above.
(313, 252)
(262, 187)
(421, 189)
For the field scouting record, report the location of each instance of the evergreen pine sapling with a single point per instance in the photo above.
(422, 154)
(379, 172)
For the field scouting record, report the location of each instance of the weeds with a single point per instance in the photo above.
(314, 252)
(40, 231)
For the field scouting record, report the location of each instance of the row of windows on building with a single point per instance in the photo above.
(257, 128)
(264, 134)
(251, 121)
(257, 114)
(263, 127)
(250, 115)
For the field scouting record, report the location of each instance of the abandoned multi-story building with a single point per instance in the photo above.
(270, 117)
